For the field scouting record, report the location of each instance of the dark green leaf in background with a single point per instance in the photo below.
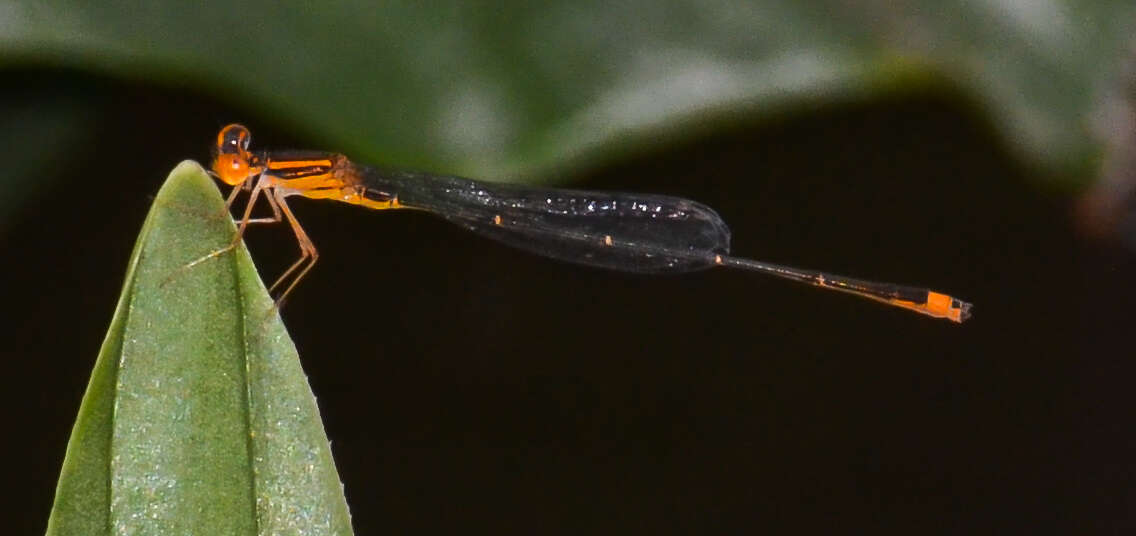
(198, 418)
(524, 88)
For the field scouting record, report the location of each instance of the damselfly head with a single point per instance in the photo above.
(231, 157)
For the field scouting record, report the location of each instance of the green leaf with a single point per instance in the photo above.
(198, 418)
(518, 88)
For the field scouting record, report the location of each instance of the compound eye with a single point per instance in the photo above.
(233, 139)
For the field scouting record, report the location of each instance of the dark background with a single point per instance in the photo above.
(468, 386)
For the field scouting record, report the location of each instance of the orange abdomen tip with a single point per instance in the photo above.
(944, 306)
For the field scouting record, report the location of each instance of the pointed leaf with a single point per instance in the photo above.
(198, 418)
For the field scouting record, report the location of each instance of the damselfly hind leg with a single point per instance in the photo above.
(308, 253)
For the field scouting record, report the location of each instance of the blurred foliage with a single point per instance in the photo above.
(241, 449)
(532, 89)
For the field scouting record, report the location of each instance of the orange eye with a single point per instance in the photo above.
(233, 139)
